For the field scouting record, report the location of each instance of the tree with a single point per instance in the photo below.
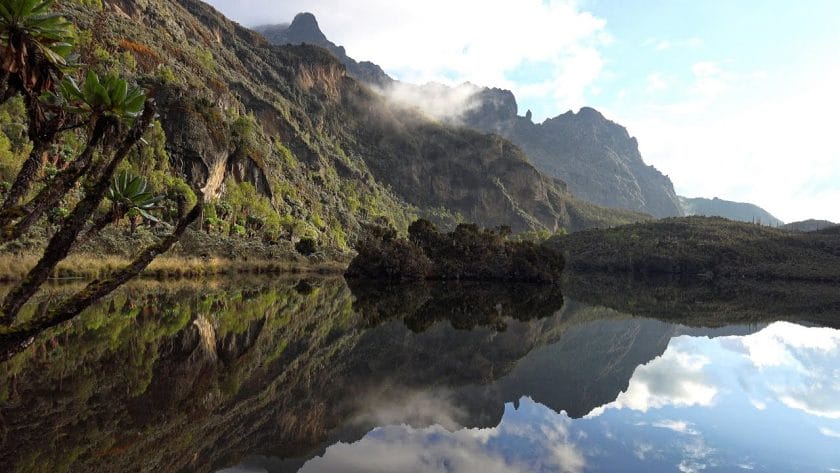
(112, 115)
(36, 47)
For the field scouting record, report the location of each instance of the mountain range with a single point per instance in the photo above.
(324, 150)
(314, 144)
(597, 158)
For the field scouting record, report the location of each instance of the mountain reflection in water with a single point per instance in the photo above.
(761, 402)
(315, 376)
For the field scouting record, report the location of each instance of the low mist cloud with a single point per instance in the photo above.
(437, 101)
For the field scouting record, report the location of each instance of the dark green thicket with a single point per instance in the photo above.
(467, 253)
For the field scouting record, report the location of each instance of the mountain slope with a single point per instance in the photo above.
(598, 158)
(327, 152)
(809, 225)
(742, 212)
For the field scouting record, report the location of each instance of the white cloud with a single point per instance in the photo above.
(480, 41)
(830, 433)
(696, 456)
(758, 404)
(393, 406)
(656, 82)
(434, 449)
(679, 426)
(642, 450)
(676, 379)
(661, 45)
(721, 140)
(795, 365)
(438, 101)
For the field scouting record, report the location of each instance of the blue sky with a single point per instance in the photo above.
(731, 99)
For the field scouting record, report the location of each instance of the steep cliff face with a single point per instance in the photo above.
(598, 158)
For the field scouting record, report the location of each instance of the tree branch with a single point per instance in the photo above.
(51, 194)
(14, 342)
(63, 240)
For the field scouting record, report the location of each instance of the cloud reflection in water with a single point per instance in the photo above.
(769, 401)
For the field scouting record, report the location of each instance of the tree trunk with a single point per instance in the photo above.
(27, 174)
(63, 240)
(96, 227)
(50, 195)
(5, 91)
(42, 133)
(13, 343)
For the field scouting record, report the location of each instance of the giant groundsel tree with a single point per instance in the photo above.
(110, 114)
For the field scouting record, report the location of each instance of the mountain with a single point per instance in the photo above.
(742, 212)
(809, 225)
(596, 157)
(323, 153)
(304, 29)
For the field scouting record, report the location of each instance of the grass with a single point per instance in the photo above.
(83, 266)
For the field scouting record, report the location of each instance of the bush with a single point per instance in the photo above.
(468, 253)
(306, 246)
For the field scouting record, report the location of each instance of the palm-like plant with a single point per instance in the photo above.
(109, 96)
(131, 196)
(36, 45)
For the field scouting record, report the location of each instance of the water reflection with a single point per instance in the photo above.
(287, 375)
(764, 402)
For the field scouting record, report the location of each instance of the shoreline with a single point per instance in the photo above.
(87, 267)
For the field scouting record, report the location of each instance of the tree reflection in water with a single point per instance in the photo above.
(174, 377)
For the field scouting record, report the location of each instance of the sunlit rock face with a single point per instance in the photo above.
(595, 156)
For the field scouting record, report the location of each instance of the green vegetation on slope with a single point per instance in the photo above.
(322, 154)
(709, 247)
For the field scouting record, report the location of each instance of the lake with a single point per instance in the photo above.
(315, 375)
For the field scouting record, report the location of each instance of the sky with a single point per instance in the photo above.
(730, 99)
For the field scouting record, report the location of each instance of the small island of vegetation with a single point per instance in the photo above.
(467, 253)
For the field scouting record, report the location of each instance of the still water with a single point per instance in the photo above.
(316, 376)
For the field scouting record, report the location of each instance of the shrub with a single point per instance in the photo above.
(306, 246)
(468, 253)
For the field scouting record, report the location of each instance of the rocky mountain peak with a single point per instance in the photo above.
(598, 158)
(305, 29)
(590, 113)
